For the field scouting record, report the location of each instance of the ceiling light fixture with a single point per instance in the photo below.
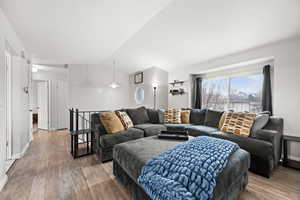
(34, 69)
(114, 84)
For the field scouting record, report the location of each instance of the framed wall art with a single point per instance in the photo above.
(138, 77)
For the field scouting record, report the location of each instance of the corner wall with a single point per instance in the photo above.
(150, 76)
(286, 96)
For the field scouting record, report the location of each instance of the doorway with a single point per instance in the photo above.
(8, 109)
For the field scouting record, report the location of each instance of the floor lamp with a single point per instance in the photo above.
(154, 85)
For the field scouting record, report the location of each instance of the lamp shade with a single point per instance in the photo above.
(155, 84)
(114, 85)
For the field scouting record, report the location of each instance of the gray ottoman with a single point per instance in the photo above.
(130, 157)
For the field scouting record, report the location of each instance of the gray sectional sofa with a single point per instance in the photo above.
(264, 146)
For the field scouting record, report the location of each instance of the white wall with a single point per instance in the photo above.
(8, 36)
(89, 88)
(150, 76)
(34, 100)
(20, 106)
(286, 80)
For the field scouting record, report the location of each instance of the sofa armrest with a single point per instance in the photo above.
(98, 131)
(275, 138)
(266, 135)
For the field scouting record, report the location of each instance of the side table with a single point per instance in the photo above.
(287, 162)
(82, 143)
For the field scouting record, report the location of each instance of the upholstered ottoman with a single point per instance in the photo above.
(130, 157)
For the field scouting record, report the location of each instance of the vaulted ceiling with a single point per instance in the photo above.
(77, 31)
(142, 33)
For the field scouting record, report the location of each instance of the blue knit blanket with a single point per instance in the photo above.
(187, 171)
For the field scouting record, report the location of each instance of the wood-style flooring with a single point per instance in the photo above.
(48, 171)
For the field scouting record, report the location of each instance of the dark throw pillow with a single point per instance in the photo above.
(153, 116)
(197, 116)
(161, 116)
(260, 122)
(138, 115)
(212, 118)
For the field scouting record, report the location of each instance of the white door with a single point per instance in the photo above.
(58, 104)
(8, 110)
(43, 105)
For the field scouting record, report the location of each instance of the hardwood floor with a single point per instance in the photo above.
(48, 171)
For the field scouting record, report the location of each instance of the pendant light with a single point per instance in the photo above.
(114, 84)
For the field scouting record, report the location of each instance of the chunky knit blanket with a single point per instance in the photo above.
(188, 171)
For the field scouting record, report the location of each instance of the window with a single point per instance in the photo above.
(242, 93)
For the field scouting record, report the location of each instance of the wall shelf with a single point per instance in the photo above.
(176, 82)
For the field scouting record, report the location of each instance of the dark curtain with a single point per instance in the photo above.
(266, 92)
(198, 93)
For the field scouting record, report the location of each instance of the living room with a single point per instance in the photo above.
(134, 99)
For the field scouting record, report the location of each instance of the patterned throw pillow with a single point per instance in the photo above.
(222, 120)
(172, 116)
(125, 119)
(185, 116)
(111, 122)
(238, 123)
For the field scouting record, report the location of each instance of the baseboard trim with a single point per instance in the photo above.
(3, 181)
(296, 158)
(20, 155)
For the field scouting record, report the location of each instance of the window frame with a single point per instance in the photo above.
(228, 76)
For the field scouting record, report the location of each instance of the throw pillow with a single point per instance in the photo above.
(197, 116)
(238, 123)
(138, 115)
(172, 116)
(185, 116)
(160, 116)
(212, 118)
(96, 124)
(125, 119)
(111, 122)
(260, 122)
(221, 122)
(153, 116)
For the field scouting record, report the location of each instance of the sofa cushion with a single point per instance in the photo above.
(197, 116)
(138, 115)
(111, 122)
(212, 118)
(238, 123)
(177, 127)
(252, 145)
(125, 119)
(153, 116)
(151, 129)
(199, 130)
(109, 140)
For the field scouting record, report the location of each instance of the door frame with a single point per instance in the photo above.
(8, 106)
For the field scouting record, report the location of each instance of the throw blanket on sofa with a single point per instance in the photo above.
(188, 171)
